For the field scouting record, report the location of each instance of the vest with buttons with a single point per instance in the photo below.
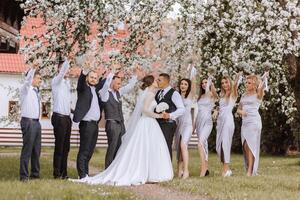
(113, 108)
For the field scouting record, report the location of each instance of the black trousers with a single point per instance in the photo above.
(62, 131)
(168, 128)
(88, 139)
(31, 133)
(114, 132)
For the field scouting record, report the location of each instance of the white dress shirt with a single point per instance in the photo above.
(30, 100)
(104, 92)
(177, 100)
(94, 111)
(61, 91)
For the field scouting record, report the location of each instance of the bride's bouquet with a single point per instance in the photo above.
(161, 107)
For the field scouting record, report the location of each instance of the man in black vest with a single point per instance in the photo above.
(176, 108)
(87, 112)
(111, 94)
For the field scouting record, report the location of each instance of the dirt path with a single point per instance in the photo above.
(153, 191)
(157, 192)
(147, 191)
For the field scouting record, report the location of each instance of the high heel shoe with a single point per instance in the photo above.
(206, 173)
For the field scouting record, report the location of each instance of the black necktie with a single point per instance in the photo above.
(161, 95)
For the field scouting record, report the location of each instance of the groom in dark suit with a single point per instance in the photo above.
(87, 112)
(176, 108)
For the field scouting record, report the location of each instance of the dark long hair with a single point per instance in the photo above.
(147, 81)
(201, 90)
(189, 87)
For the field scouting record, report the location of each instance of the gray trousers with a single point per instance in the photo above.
(31, 132)
(114, 132)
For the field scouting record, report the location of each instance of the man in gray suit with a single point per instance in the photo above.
(110, 95)
(30, 124)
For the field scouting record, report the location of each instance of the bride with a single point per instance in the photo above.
(144, 155)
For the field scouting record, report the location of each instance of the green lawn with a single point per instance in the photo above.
(279, 179)
(47, 187)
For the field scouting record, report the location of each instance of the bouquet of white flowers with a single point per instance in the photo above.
(161, 107)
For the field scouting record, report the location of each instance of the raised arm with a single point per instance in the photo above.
(193, 88)
(81, 81)
(65, 67)
(147, 106)
(262, 86)
(104, 94)
(130, 86)
(27, 83)
(236, 85)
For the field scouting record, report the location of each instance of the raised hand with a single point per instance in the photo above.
(100, 70)
(120, 74)
(71, 56)
(139, 72)
(36, 64)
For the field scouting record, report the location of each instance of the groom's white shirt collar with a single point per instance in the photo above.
(166, 90)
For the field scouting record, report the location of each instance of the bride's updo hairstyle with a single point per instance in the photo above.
(147, 81)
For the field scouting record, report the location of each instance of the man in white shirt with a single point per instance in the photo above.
(61, 121)
(110, 95)
(30, 125)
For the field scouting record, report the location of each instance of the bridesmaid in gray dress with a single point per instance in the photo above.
(204, 123)
(184, 127)
(251, 121)
(225, 122)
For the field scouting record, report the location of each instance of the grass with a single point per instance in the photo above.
(279, 179)
(47, 187)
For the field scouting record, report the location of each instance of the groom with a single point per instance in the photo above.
(176, 108)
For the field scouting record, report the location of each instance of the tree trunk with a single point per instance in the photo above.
(293, 63)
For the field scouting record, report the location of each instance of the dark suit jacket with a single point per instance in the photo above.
(84, 97)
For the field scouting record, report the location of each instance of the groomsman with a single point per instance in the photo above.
(30, 125)
(87, 112)
(111, 94)
(61, 121)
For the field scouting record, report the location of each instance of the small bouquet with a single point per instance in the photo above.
(161, 107)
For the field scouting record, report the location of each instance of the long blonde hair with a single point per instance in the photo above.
(223, 92)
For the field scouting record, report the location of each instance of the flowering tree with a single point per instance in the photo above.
(249, 35)
(224, 36)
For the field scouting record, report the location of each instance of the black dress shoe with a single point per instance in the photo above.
(34, 177)
(64, 177)
(24, 180)
(206, 173)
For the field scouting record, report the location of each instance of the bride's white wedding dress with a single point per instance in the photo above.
(144, 155)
